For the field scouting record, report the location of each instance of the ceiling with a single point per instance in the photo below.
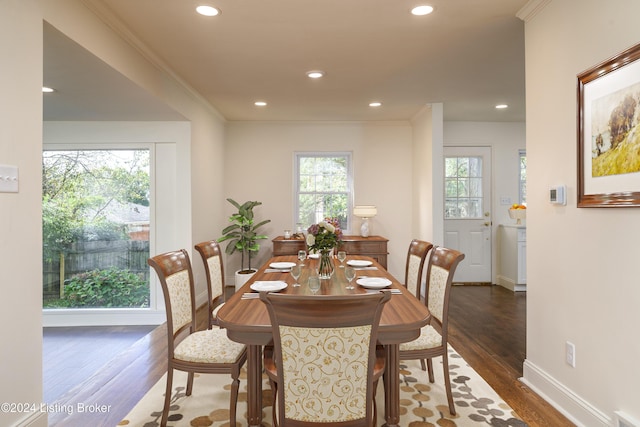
(467, 54)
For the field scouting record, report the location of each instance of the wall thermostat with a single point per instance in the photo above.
(557, 195)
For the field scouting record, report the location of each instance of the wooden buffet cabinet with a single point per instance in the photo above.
(372, 246)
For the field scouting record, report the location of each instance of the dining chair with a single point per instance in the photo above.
(433, 339)
(325, 366)
(214, 270)
(416, 256)
(208, 351)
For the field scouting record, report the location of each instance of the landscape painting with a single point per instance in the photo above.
(609, 132)
(615, 135)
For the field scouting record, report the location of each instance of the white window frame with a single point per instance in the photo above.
(296, 187)
(522, 183)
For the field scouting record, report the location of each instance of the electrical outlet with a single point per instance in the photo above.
(571, 354)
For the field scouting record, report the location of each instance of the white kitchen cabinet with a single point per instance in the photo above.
(512, 269)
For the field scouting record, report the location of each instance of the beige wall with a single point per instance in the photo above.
(259, 166)
(20, 213)
(21, 145)
(582, 264)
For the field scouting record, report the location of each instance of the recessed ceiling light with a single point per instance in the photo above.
(421, 10)
(316, 74)
(47, 89)
(207, 10)
(502, 106)
(375, 104)
(260, 104)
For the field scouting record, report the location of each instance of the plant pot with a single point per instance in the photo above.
(243, 277)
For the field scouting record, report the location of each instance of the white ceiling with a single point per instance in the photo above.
(468, 55)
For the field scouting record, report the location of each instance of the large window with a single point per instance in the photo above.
(323, 188)
(95, 228)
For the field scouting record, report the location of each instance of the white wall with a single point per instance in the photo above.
(20, 213)
(582, 264)
(21, 128)
(260, 166)
(505, 140)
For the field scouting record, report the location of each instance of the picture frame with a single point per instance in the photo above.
(608, 130)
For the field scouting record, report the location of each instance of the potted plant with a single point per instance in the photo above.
(243, 236)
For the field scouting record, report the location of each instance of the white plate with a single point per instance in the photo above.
(373, 282)
(268, 286)
(282, 265)
(314, 256)
(359, 263)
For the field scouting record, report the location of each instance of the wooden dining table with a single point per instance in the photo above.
(246, 321)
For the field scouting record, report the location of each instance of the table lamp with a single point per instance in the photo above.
(365, 212)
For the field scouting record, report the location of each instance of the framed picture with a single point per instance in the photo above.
(609, 132)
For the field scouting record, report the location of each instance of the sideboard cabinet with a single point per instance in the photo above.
(372, 246)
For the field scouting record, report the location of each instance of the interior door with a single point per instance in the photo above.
(467, 210)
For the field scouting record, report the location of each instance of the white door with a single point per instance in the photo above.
(467, 210)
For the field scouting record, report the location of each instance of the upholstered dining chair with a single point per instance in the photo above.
(214, 271)
(433, 339)
(208, 351)
(324, 367)
(416, 256)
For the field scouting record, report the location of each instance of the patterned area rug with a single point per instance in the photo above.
(422, 404)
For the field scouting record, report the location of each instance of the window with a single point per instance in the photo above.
(323, 188)
(463, 188)
(523, 177)
(95, 228)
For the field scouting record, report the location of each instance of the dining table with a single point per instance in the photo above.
(246, 319)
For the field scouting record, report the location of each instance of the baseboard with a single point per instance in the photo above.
(102, 317)
(572, 406)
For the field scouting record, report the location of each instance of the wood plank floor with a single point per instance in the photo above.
(487, 328)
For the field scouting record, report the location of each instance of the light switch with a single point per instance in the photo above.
(505, 201)
(8, 179)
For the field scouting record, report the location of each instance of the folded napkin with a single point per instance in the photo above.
(365, 268)
(250, 295)
(277, 270)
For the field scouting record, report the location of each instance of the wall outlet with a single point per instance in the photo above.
(571, 354)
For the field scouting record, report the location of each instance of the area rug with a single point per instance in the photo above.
(422, 404)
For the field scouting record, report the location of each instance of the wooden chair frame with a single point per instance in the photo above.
(418, 251)
(324, 311)
(215, 291)
(167, 265)
(441, 259)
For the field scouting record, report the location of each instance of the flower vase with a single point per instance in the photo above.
(325, 268)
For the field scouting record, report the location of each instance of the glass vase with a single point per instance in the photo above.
(325, 267)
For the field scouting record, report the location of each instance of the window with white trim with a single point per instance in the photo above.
(323, 188)
(522, 193)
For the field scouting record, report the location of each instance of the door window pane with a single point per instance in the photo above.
(463, 188)
(95, 228)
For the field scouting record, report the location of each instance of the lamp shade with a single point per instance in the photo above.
(365, 211)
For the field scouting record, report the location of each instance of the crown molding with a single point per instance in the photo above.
(106, 15)
(531, 9)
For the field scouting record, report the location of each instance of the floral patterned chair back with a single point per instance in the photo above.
(325, 352)
(214, 271)
(416, 256)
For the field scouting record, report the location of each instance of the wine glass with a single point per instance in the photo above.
(302, 255)
(342, 255)
(350, 274)
(314, 283)
(296, 270)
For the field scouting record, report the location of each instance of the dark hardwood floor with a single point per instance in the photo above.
(487, 328)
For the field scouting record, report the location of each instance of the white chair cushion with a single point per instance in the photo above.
(209, 346)
(429, 338)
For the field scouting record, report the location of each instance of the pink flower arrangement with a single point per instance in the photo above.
(324, 235)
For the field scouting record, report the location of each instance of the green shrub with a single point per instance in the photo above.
(107, 288)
